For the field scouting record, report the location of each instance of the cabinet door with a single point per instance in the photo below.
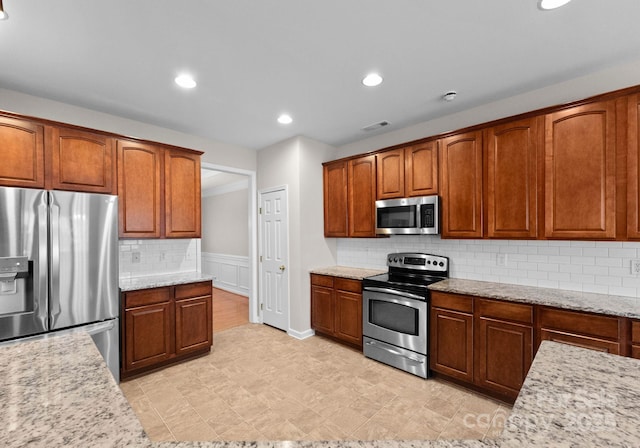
(504, 352)
(580, 172)
(81, 161)
(390, 174)
(139, 194)
(421, 169)
(633, 168)
(193, 324)
(322, 309)
(335, 199)
(182, 194)
(461, 188)
(362, 197)
(148, 335)
(22, 145)
(511, 152)
(348, 324)
(452, 343)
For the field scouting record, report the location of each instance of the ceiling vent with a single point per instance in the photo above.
(374, 126)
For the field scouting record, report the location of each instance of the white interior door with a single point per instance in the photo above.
(274, 254)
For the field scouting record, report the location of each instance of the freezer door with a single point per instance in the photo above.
(23, 239)
(84, 258)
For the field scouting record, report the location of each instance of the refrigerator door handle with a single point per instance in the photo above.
(55, 262)
(42, 286)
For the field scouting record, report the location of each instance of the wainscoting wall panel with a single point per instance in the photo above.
(230, 272)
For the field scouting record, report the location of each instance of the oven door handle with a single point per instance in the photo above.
(394, 352)
(394, 292)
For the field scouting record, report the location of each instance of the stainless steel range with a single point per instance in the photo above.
(395, 311)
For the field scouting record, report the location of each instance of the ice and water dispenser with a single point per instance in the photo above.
(15, 285)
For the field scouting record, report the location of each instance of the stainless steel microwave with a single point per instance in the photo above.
(408, 216)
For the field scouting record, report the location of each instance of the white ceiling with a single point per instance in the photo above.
(254, 59)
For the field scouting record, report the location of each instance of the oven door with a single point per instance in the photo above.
(395, 317)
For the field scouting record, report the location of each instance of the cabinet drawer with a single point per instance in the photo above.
(635, 332)
(146, 297)
(193, 290)
(454, 302)
(601, 345)
(322, 280)
(345, 284)
(515, 312)
(574, 322)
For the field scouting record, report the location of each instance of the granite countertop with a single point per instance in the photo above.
(572, 300)
(156, 281)
(58, 392)
(347, 272)
(576, 397)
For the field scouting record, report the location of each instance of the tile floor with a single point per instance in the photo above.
(258, 383)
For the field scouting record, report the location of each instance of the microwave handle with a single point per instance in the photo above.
(393, 292)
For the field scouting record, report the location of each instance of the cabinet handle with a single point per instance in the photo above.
(282, 268)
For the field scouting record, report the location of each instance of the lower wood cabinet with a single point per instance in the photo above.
(336, 308)
(451, 335)
(635, 339)
(504, 345)
(490, 344)
(164, 325)
(596, 332)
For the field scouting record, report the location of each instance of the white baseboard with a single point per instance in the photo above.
(230, 272)
(301, 334)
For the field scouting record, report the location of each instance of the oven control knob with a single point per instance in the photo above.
(395, 259)
(428, 261)
(441, 263)
(390, 259)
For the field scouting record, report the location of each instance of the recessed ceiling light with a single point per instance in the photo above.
(372, 80)
(185, 81)
(285, 119)
(552, 4)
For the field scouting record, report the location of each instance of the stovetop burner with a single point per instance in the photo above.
(412, 272)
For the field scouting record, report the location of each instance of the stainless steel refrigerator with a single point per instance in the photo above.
(59, 267)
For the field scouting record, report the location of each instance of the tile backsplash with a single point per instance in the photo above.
(158, 257)
(589, 266)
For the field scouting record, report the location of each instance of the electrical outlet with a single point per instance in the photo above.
(501, 259)
(135, 257)
(635, 267)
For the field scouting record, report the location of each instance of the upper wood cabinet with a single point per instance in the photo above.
(390, 174)
(182, 194)
(22, 146)
(408, 171)
(349, 198)
(80, 161)
(633, 167)
(421, 169)
(362, 197)
(580, 170)
(139, 182)
(512, 178)
(335, 199)
(461, 185)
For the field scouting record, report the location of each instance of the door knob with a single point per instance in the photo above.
(282, 268)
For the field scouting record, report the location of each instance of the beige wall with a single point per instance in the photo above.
(225, 223)
(576, 89)
(297, 163)
(215, 152)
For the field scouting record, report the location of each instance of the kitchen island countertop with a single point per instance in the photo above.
(559, 298)
(57, 392)
(157, 281)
